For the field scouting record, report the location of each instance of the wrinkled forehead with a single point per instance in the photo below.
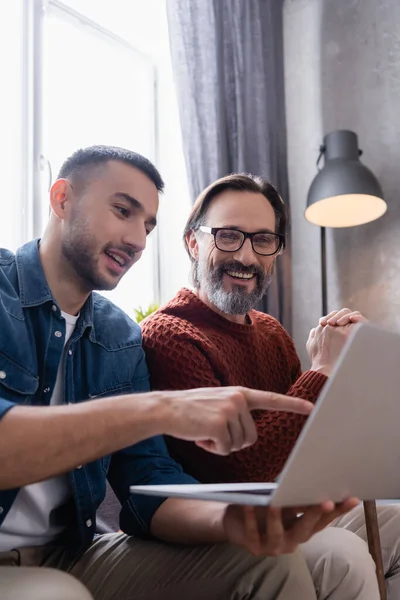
(245, 210)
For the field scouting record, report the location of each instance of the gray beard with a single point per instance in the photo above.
(238, 301)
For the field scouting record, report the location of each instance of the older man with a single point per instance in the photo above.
(212, 336)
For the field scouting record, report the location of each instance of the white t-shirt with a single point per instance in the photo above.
(30, 521)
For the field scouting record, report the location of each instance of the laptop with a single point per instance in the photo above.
(350, 445)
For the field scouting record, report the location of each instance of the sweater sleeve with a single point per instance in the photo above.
(307, 385)
(278, 431)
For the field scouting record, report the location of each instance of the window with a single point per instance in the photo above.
(97, 90)
(11, 127)
(81, 72)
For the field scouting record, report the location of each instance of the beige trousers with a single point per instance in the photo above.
(117, 567)
(339, 561)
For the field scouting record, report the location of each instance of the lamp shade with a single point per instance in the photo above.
(345, 192)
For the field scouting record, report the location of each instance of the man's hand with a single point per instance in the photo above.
(273, 531)
(219, 419)
(327, 340)
(342, 318)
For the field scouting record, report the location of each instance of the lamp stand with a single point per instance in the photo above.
(324, 280)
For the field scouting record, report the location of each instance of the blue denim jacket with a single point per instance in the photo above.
(103, 357)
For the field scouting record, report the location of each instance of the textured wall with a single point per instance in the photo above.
(342, 62)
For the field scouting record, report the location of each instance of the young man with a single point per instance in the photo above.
(60, 344)
(212, 336)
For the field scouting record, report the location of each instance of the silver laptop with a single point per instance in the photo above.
(350, 445)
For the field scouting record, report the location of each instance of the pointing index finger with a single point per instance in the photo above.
(257, 399)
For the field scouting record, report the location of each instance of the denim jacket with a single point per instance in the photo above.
(103, 357)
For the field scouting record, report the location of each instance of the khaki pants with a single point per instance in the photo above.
(339, 561)
(117, 567)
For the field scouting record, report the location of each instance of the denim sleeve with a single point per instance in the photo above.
(145, 463)
(5, 406)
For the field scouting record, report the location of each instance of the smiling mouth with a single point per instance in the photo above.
(240, 275)
(121, 262)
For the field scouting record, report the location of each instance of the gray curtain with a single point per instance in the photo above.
(227, 57)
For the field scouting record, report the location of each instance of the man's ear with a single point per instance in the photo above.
(59, 193)
(192, 243)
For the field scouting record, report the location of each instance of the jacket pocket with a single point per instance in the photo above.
(16, 383)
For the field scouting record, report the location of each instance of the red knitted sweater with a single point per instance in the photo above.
(188, 345)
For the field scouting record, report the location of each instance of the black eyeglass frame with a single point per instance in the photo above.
(214, 231)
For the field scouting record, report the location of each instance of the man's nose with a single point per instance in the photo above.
(136, 237)
(245, 254)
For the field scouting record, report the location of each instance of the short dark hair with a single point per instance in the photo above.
(241, 182)
(82, 162)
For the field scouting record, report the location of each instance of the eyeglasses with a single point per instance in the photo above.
(265, 243)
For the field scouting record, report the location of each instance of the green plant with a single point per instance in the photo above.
(141, 313)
